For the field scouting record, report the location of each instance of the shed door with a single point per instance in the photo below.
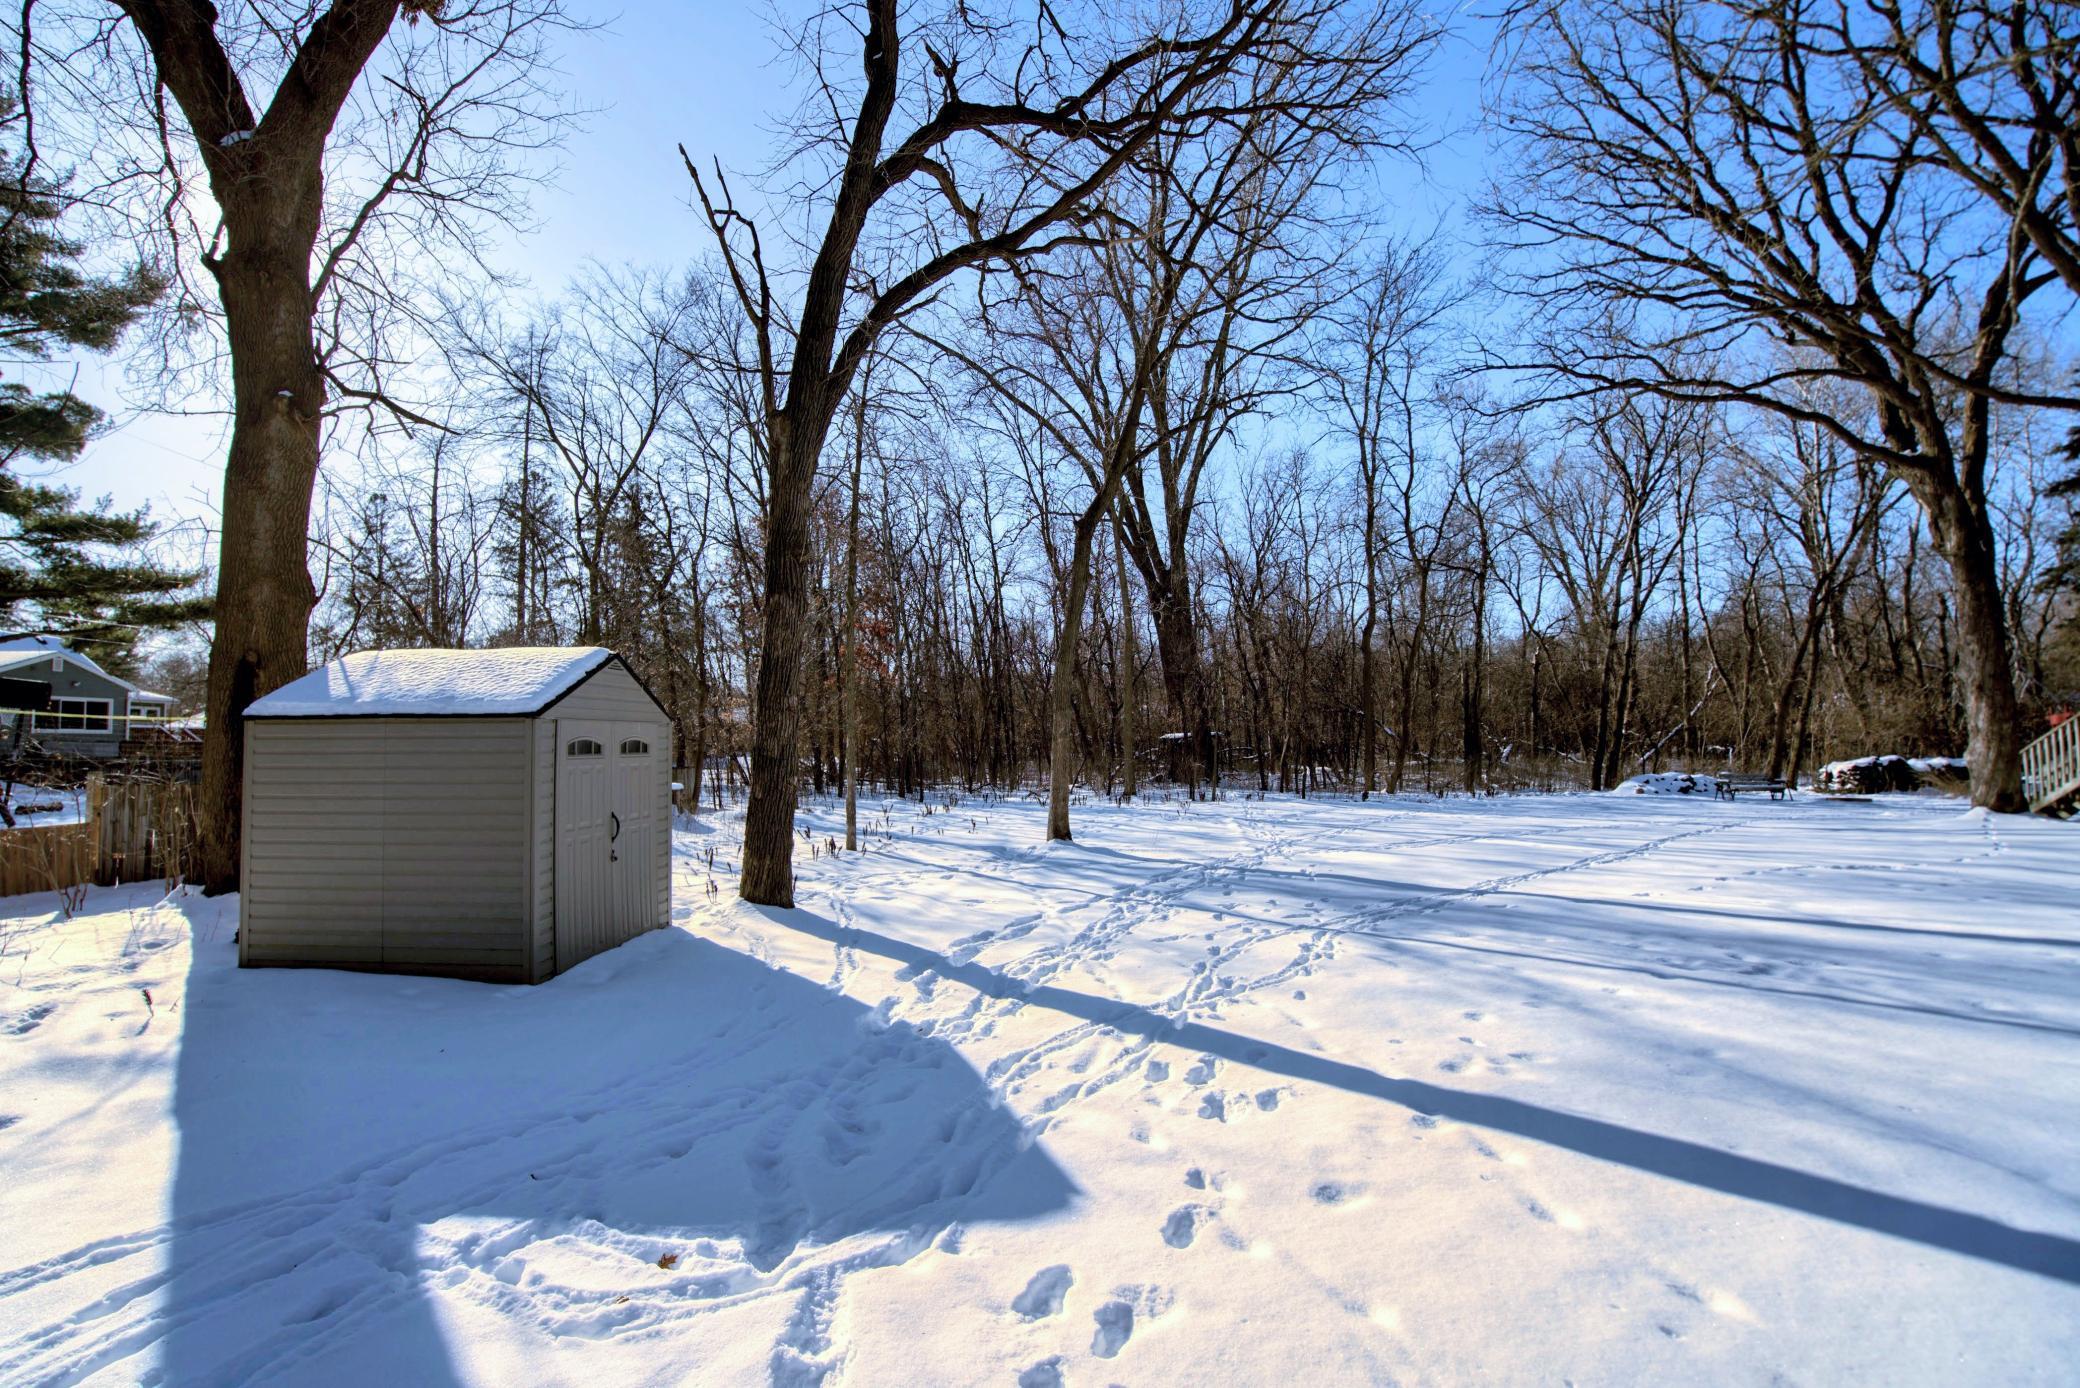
(606, 835)
(632, 859)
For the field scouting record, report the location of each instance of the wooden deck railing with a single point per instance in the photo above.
(2051, 765)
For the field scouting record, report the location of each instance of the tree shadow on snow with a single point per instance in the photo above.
(365, 1158)
(1675, 1158)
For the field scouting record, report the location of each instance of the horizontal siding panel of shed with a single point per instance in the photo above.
(544, 854)
(479, 917)
(388, 842)
(359, 849)
(488, 864)
(447, 778)
(313, 833)
(294, 898)
(297, 791)
(323, 944)
(300, 953)
(414, 838)
(428, 836)
(327, 929)
(610, 693)
(454, 888)
(475, 947)
(329, 858)
(311, 826)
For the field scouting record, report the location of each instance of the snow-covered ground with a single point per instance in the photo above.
(1600, 1089)
(71, 803)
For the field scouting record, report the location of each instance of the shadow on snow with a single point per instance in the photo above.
(351, 1145)
(1677, 1159)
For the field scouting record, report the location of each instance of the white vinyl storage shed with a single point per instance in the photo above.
(491, 814)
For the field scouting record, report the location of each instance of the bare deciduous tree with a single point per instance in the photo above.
(1015, 127)
(320, 179)
(1700, 180)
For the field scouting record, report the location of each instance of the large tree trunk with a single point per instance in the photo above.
(278, 394)
(1606, 678)
(848, 660)
(1368, 677)
(1177, 642)
(1130, 656)
(1796, 678)
(1061, 751)
(768, 873)
(1993, 722)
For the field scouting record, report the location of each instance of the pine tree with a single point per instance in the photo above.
(74, 571)
(66, 569)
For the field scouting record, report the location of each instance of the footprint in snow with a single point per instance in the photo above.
(1158, 1071)
(1045, 1374)
(1044, 1293)
(1203, 1070)
(1115, 1327)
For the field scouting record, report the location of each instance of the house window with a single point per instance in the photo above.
(74, 716)
(635, 747)
(147, 711)
(584, 747)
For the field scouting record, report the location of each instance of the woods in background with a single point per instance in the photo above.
(1076, 417)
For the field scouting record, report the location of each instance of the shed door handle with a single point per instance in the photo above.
(617, 826)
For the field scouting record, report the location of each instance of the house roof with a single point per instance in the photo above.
(515, 681)
(25, 651)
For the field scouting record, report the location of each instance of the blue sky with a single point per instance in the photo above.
(707, 75)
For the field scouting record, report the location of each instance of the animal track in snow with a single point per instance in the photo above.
(31, 1019)
(1203, 1070)
(1044, 1292)
(1183, 1225)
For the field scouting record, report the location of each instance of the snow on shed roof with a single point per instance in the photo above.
(515, 680)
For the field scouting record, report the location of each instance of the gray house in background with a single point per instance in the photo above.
(89, 711)
(494, 814)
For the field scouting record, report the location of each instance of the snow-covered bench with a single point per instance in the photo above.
(1731, 784)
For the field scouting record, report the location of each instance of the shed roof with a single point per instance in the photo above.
(515, 681)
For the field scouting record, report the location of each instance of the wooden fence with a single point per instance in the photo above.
(134, 831)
